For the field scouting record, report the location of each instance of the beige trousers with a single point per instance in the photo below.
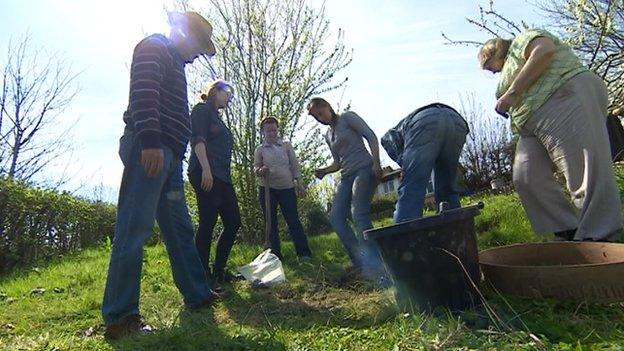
(569, 133)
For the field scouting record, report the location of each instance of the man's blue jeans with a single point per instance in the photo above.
(355, 192)
(433, 139)
(141, 198)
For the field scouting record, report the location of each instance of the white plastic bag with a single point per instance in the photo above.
(266, 268)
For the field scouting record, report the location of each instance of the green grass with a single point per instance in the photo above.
(311, 311)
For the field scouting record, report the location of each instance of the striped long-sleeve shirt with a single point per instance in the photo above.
(158, 105)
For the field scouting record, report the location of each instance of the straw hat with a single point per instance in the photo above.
(196, 25)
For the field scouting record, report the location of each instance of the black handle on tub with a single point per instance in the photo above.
(480, 205)
(444, 207)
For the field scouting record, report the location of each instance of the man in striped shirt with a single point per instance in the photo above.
(151, 149)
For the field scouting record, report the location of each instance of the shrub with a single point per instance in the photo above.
(383, 204)
(313, 216)
(38, 223)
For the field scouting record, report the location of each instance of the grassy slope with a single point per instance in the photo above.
(312, 311)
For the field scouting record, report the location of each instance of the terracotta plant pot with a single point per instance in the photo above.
(580, 271)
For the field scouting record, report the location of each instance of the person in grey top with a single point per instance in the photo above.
(360, 174)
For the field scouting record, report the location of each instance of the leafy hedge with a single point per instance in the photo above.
(313, 215)
(38, 223)
(383, 204)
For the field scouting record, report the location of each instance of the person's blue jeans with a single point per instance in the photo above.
(354, 194)
(433, 140)
(141, 199)
(286, 199)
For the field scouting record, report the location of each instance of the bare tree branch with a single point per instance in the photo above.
(488, 152)
(594, 29)
(33, 95)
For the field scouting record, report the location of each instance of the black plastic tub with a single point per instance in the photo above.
(433, 261)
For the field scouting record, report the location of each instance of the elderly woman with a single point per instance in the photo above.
(277, 166)
(360, 172)
(209, 174)
(558, 109)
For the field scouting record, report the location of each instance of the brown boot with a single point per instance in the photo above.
(125, 326)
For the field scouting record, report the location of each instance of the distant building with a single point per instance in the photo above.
(392, 178)
(390, 181)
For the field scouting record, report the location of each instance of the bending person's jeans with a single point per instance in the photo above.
(141, 198)
(434, 138)
(354, 194)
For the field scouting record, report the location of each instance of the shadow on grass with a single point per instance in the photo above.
(549, 320)
(198, 331)
(315, 294)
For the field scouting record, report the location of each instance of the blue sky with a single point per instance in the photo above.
(400, 61)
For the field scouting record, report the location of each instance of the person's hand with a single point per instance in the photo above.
(152, 161)
(206, 180)
(377, 171)
(262, 171)
(505, 102)
(319, 173)
(301, 191)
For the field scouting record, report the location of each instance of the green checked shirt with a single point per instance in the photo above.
(564, 66)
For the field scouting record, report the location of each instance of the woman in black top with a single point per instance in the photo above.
(209, 174)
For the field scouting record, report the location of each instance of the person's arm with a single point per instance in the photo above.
(333, 167)
(200, 125)
(145, 81)
(374, 146)
(359, 125)
(207, 180)
(258, 166)
(295, 169)
(539, 54)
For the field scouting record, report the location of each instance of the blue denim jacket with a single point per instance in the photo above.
(393, 141)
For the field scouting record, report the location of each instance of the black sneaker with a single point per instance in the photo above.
(351, 273)
(207, 303)
(384, 282)
(565, 235)
(221, 292)
(226, 277)
(304, 258)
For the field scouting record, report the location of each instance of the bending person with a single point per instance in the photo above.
(429, 139)
(558, 108)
